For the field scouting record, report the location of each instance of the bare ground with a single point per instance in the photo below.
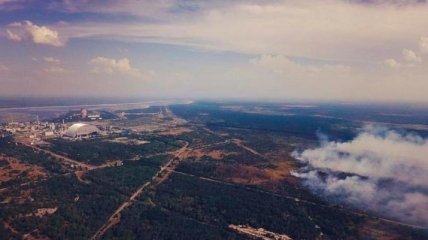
(15, 168)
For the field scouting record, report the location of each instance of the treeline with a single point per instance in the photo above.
(151, 109)
(299, 125)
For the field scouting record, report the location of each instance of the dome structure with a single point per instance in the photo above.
(79, 130)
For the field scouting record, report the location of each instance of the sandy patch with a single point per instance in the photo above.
(15, 168)
(258, 233)
(45, 211)
(214, 154)
(247, 174)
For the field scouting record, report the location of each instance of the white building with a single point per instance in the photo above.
(81, 130)
(49, 134)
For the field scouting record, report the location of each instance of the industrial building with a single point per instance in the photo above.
(81, 130)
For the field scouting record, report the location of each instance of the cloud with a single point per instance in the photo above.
(114, 66)
(52, 60)
(410, 56)
(322, 56)
(284, 65)
(385, 171)
(392, 63)
(55, 70)
(20, 31)
(390, 2)
(283, 76)
(12, 36)
(52, 66)
(423, 44)
(311, 29)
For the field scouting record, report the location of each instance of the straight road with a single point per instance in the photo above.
(163, 174)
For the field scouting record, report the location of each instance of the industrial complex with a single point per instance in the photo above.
(73, 126)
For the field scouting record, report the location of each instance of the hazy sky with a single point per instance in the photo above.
(312, 49)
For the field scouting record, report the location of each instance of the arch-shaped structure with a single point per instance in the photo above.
(79, 130)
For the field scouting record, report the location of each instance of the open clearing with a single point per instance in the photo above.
(13, 168)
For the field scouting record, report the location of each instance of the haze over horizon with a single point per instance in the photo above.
(347, 50)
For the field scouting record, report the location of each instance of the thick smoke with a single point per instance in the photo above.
(380, 170)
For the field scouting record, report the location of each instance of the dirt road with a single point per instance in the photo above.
(336, 207)
(163, 174)
(60, 157)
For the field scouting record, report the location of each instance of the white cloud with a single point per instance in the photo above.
(282, 76)
(114, 66)
(337, 32)
(20, 31)
(392, 63)
(340, 33)
(388, 172)
(55, 70)
(52, 66)
(423, 44)
(284, 65)
(410, 56)
(313, 28)
(52, 60)
(12, 36)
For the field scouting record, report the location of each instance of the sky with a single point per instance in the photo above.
(346, 50)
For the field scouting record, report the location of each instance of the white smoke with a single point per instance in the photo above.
(385, 171)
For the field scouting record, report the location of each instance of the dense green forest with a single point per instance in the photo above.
(98, 151)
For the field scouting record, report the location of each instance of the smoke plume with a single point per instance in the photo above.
(381, 170)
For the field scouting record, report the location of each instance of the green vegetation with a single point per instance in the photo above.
(145, 221)
(218, 205)
(28, 155)
(151, 109)
(202, 197)
(199, 138)
(98, 151)
(184, 201)
(125, 179)
(214, 117)
(82, 208)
